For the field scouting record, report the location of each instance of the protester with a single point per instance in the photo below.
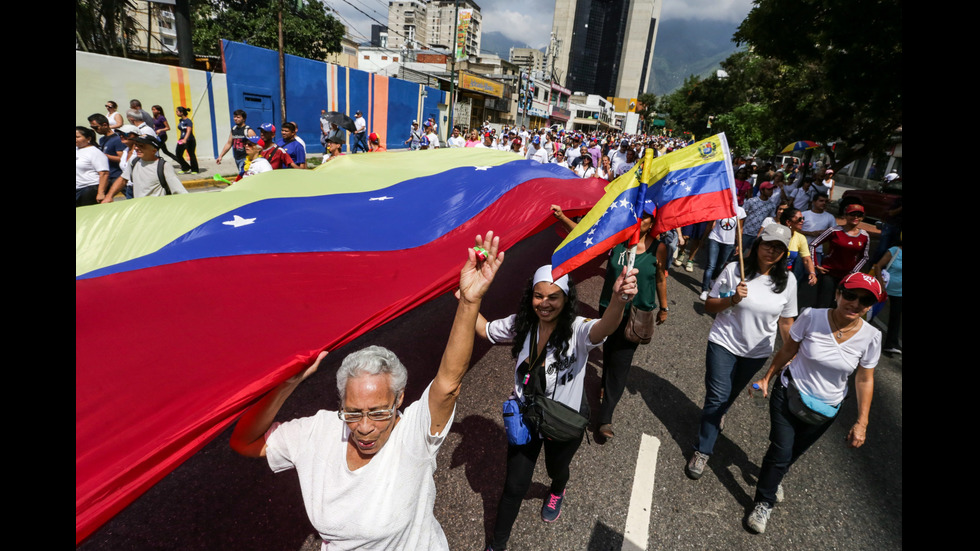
(115, 117)
(149, 175)
(890, 268)
(291, 145)
(847, 251)
(375, 143)
(551, 345)
(800, 260)
(456, 140)
(237, 139)
(334, 145)
(585, 168)
(825, 347)
(91, 168)
(366, 471)
(161, 127)
(254, 163)
(276, 155)
(187, 142)
(749, 312)
(721, 243)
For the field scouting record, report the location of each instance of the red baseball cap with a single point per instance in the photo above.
(857, 280)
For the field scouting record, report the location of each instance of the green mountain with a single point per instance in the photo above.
(689, 47)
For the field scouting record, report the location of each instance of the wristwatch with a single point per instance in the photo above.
(665, 309)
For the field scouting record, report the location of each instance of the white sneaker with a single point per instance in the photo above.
(759, 518)
(689, 266)
(680, 259)
(704, 296)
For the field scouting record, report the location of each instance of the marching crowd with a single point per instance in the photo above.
(783, 270)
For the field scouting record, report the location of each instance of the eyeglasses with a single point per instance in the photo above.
(866, 300)
(774, 246)
(373, 415)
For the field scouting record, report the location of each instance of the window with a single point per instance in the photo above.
(395, 59)
(384, 58)
(367, 57)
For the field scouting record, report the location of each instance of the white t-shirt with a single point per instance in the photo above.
(386, 504)
(89, 161)
(359, 125)
(146, 183)
(724, 230)
(456, 141)
(433, 140)
(822, 365)
(749, 328)
(258, 165)
(813, 221)
(564, 379)
(540, 155)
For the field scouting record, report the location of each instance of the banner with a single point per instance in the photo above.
(462, 26)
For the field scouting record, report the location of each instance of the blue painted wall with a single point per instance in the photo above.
(253, 85)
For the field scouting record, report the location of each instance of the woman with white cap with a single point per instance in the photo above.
(824, 348)
(551, 345)
(751, 309)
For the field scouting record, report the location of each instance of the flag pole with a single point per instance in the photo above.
(644, 181)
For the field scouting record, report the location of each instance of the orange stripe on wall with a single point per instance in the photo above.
(380, 119)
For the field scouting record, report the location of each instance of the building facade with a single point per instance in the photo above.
(408, 24)
(606, 46)
(442, 20)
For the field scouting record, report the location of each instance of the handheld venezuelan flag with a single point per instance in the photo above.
(615, 218)
(692, 185)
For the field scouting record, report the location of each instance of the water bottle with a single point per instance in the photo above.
(757, 398)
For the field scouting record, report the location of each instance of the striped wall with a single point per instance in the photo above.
(251, 82)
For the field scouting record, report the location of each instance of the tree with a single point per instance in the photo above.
(104, 26)
(840, 68)
(308, 31)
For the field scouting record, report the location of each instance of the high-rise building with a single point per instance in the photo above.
(408, 24)
(530, 59)
(441, 21)
(606, 46)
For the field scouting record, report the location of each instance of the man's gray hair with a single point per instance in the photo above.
(373, 360)
(134, 115)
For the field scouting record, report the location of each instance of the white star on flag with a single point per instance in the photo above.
(382, 198)
(238, 221)
(624, 202)
(483, 167)
(588, 242)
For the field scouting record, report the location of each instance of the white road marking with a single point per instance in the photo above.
(637, 532)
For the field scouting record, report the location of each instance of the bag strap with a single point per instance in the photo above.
(162, 178)
(532, 381)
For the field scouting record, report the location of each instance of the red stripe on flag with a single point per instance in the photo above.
(588, 254)
(691, 210)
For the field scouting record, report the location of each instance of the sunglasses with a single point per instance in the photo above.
(856, 214)
(866, 300)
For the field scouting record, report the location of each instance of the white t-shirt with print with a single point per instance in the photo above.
(724, 230)
(565, 379)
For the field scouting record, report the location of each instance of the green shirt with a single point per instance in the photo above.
(646, 280)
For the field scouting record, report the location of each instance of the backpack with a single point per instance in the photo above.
(160, 176)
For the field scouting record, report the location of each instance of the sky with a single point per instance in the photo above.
(530, 20)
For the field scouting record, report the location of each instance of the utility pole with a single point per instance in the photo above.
(452, 71)
(282, 72)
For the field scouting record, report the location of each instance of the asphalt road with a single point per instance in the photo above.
(836, 498)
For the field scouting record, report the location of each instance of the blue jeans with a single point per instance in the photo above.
(725, 376)
(718, 254)
(360, 142)
(788, 439)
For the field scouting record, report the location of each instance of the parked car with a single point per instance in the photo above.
(876, 202)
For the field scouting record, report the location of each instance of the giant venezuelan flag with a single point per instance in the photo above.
(187, 308)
